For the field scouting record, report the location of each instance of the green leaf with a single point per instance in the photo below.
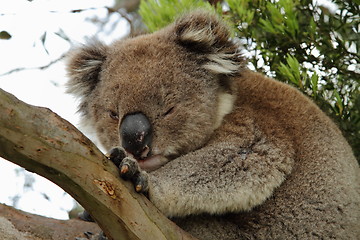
(267, 26)
(314, 84)
(338, 102)
(276, 17)
(312, 28)
(285, 71)
(294, 66)
(292, 71)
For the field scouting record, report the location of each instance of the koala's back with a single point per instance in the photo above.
(319, 199)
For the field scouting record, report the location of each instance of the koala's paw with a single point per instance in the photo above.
(129, 169)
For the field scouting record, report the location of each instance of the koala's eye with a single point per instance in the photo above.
(169, 111)
(113, 115)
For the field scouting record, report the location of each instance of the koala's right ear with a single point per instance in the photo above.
(204, 32)
(84, 65)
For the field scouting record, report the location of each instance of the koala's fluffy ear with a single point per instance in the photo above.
(206, 33)
(84, 66)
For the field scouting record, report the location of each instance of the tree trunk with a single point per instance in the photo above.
(42, 142)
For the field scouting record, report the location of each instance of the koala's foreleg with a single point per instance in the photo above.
(221, 178)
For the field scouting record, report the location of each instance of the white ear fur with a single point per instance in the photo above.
(222, 63)
(81, 87)
(203, 35)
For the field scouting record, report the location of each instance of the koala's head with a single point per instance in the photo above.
(158, 95)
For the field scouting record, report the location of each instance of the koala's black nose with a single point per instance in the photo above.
(136, 134)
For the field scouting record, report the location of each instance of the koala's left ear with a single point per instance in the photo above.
(206, 33)
(84, 65)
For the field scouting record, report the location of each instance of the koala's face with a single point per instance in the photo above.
(157, 95)
(159, 80)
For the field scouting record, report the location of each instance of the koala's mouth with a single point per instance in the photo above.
(152, 163)
(147, 161)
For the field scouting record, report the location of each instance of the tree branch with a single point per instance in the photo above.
(42, 142)
(33, 68)
(16, 224)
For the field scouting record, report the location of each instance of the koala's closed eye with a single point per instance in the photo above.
(113, 115)
(169, 111)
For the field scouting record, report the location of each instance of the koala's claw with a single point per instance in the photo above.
(124, 169)
(128, 168)
(116, 155)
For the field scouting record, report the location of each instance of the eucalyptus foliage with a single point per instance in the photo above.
(315, 48)
(157, 14)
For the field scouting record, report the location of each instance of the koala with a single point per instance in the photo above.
(224, 152)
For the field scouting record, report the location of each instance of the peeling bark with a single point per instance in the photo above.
(42, 142)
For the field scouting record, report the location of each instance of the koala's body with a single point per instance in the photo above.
(230, 154)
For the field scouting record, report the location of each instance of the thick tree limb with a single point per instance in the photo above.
(42, 142)
(16, 224)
